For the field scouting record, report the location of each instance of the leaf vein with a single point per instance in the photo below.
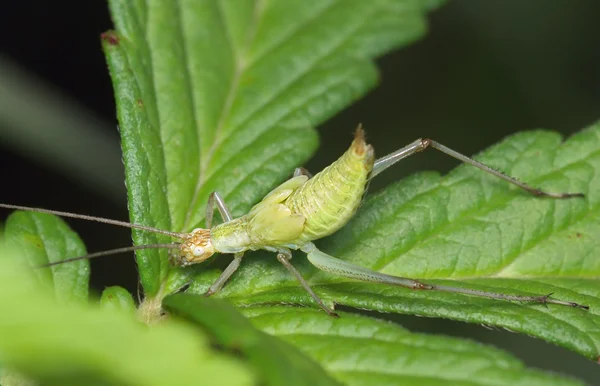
(239, 68)
(293, 80)
(188, 75)
(448, 225)
(260, 134)
(291, 33)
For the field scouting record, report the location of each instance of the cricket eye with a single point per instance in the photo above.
(198, 251)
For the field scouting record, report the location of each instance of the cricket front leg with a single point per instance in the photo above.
(216, 200)
(343, 268)
(284, 256)
(231, 268)
(421, 144)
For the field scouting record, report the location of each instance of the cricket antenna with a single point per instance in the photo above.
(96, 219)
(111, 252)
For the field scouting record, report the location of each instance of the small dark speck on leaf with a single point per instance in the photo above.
(140, 103)
(237, 351)
(217, 346)
(233, 348)
(110, 37)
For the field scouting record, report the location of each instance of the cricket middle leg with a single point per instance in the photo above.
(284, 256)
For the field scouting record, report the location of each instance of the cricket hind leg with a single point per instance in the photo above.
(423, 143)
(339, 267)
(216, 200)
(284, 256)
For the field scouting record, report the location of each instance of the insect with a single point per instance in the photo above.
(303, 209)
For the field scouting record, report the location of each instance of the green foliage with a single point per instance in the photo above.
(468, 229)
(117, 298)
(225, 95)
(76, 343)
(359, 350)
(46, 239)
(277, 362)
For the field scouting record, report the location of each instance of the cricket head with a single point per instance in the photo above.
(194, 249)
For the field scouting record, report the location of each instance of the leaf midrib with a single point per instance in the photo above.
(239, 67)
(286, 87)
(218, 141)
(248, 176)
(266, 53)
(190, 94)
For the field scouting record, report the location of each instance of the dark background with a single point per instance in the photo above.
(485, 70)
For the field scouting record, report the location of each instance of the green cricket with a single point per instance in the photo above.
(303, 209)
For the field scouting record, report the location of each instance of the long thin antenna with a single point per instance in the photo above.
(112, 252)
(97, 219)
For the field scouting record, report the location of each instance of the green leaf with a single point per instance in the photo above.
(79, 343)
(10, 378)
(359, 350)
(224, 95)
(469, 229)
(43, 239)
(118, 298)
(276, 362)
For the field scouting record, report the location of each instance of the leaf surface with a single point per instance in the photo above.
(276, 362)
(43, 239)
(75, 344)
(359, 350)
(356, 350)
(468, 229)
(224, 95)
(118, 298)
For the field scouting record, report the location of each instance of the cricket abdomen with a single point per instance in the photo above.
(329, 199)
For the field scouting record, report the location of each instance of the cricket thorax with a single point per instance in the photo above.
(231, 236)
(196, 248)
